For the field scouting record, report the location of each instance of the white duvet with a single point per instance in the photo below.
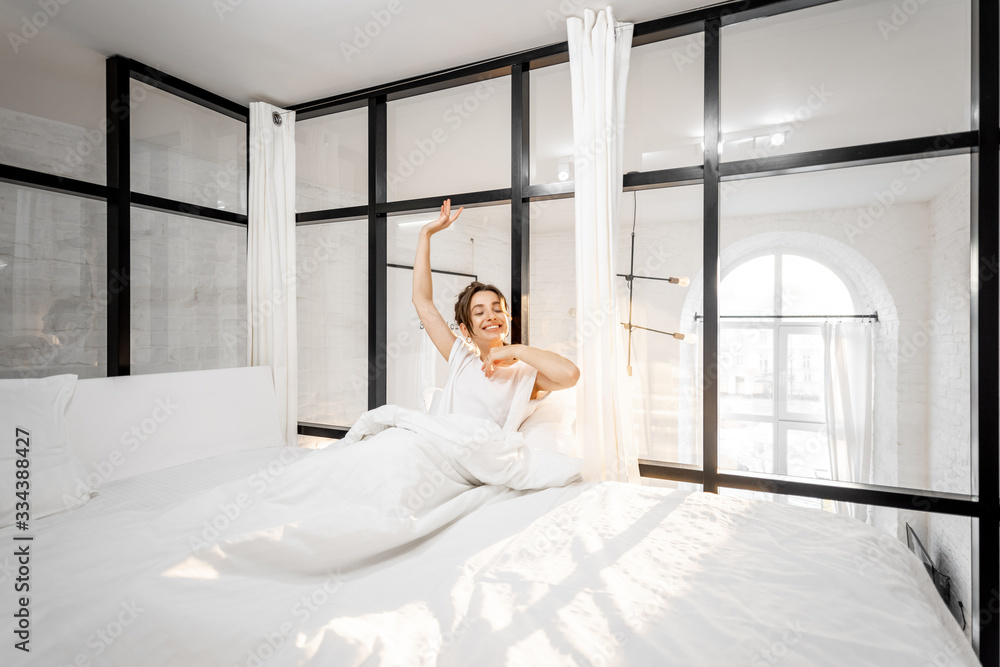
(389, 551)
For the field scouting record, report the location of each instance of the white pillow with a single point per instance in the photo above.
(551, 425)
(34, 410)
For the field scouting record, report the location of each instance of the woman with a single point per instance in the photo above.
(486, 376)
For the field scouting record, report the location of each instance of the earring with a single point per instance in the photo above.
(468, 339)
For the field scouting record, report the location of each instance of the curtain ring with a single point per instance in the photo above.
(276, 117)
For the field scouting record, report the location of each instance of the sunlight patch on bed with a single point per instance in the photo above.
(192, 568)
(653, 574)
(535, 649)
(414, 629)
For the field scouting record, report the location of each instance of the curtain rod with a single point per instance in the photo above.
(872, 316)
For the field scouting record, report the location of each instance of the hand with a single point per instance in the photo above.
(499, 357)
(444, 220)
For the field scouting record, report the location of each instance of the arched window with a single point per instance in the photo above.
(795, 371)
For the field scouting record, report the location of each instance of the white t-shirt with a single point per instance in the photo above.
(502, 398)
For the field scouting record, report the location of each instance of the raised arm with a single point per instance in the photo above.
(423, 291)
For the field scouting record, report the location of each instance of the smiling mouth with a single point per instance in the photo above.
(491, 328)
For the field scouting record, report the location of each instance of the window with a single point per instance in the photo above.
(774, 413)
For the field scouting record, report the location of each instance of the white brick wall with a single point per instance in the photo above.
(52, 147)
(53, 309)
(949, 429)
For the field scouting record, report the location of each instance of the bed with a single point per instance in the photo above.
(204, 542)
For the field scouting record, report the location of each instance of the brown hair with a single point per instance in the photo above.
(462, 305)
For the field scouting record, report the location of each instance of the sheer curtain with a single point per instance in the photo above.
(271, 335)
(847, 373)
(599, 49)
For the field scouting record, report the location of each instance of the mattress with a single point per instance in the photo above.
(597, 574)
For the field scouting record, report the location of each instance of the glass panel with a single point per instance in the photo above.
(665, 371)
(803, 393)
(789, 85)
(183, 151)
(808, 450)
(669, 484)
(746, 370)
(53, 273)
(189, 301)
(896, 236)
(52, 112)
(742, 290)
(551, 125)
(455, 140)
(809, 288)
(940, 540)
(746, 445)
(313, 442)
(332, 312)
(475, 247)
(553, 277)
(664, 107)
(331, 161)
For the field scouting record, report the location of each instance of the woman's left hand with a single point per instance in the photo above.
(499, 357)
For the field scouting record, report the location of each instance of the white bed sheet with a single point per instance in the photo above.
(585, 574)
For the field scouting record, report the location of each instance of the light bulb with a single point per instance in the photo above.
(778, 138)
(563, 175)
(684, 281)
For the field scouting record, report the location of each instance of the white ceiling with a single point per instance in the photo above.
(302, 50)
(888, 85)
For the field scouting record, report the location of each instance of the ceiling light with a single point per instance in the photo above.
(777, 139)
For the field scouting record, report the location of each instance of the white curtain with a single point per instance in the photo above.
(271, 337)
(848, 376)
(599, 49)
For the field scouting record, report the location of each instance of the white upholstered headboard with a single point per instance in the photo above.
(125, 426)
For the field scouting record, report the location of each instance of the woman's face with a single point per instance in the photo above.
(489, 321)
